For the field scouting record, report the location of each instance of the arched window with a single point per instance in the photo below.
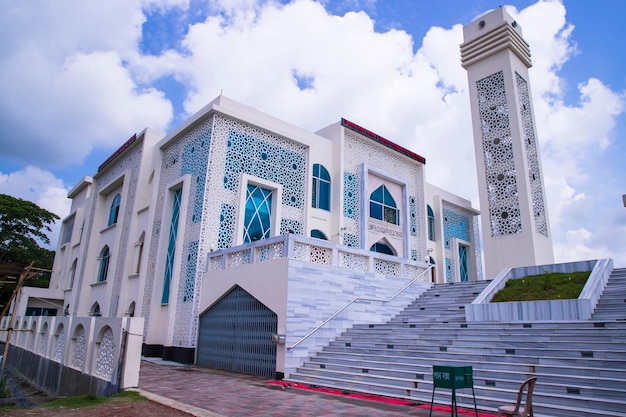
(318, 234)
(70, 284)
(95, 310)
(431, 223)
(258, 219)
(115, 209)
(383, 206)
(321, 187)
(382, 247)
(105, 255)
(131, 310)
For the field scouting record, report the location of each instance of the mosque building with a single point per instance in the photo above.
(237, 234)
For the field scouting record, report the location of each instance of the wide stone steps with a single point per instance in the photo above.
(487, 398)
(581, 366)
(497, 374)
(420, 372)
(549, 399)
(508, 351)
(512, 337)
(434, 336)
(432, 356)
(413, 378)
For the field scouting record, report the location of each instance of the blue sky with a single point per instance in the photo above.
(78, 77)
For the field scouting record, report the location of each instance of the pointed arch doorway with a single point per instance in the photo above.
(235, 335)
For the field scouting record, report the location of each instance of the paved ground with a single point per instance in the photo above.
(205, 392)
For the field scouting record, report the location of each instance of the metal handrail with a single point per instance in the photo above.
(354, 300)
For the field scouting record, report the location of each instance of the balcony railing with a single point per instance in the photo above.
(315, 251)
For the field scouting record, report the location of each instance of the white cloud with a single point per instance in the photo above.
(165, 4)
(582, 244)
(66, 87)
(71, 84)
(574, 137)
(545, 28)
(374, 79)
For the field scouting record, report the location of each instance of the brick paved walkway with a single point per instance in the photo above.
(235, 395)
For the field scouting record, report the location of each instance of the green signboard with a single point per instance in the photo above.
(453, 377)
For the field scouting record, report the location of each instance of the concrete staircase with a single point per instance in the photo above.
(581, 366)
(612, 304)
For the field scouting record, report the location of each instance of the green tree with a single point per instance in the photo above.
(24, 227)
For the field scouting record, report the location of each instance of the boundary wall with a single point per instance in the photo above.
(68, 356)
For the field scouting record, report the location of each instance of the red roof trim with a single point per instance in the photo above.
(118, 151)
(382, 141)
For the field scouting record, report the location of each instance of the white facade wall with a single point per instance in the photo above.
(455, 223)
(211, 159)
(69, 259)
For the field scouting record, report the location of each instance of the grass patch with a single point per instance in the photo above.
(76, 402)
(131, 395)
(547, 286)
(4, 390)
(91, 400)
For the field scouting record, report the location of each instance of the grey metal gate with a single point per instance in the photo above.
(236, 335)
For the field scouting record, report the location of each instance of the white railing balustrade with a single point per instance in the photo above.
(316, 251)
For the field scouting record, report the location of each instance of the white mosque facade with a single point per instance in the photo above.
(237, 235)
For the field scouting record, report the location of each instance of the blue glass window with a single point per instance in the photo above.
(258, 219)
(321, 187)
(431, 223)
(463, 263)
(383, 206)
(318, 234)
(72, 273)
(115, 209)
(382, 247)
(105, 255)
(171, 246)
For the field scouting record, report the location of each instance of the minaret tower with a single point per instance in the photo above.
(515, 227)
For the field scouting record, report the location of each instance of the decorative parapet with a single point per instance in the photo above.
(482, 309)
(316, 251)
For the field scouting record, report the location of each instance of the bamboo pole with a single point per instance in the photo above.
(23, 277)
